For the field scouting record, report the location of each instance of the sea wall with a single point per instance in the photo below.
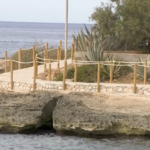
(122, 56)
(77, 87)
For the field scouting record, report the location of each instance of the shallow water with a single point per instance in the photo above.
(55, 142)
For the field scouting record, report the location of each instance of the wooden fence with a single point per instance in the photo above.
(75, 74)
(75, 62)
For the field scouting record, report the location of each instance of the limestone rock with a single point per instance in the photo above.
(88, 115)
(23, 111)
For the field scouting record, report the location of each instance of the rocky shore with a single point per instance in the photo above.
(20, 112)
(83, 114)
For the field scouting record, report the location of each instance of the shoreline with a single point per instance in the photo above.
(79, 114)
(52, 133)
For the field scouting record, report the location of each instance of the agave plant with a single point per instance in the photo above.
(93, 44)
(106, 68)
(140, 70)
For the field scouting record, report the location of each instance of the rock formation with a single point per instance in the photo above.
(23, 111)
(83, 114)
(88, 115)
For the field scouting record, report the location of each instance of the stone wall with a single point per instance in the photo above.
(77, 87)
(128, 57)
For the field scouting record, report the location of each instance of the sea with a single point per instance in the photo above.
(56, 142)
(15, 35)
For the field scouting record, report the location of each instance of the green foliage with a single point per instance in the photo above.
(126, 22)
(90, 42)
(116, 68)
(140, 69)
(87, 73)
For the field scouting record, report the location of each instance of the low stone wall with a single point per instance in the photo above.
(128, 57)
(16, 86)
(77, 87)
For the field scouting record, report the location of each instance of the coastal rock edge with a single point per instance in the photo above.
(89, 115)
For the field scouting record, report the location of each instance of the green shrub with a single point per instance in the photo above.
(70, 75)
(87, 73)
(140, 69)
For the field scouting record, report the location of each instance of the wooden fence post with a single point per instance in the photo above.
(98, 77)
(73, 42)
(33, 54)
(49, 71)
(72, 52)
(35, 68)
(76, 42)
(36, 59)
(111, 71)
(58, 56)
(60, 46)
(11, 76)
(34, 76)
(44, 60)
(145, 72)
(47, 51)
(64, 75)
(75, 72)
(19, 59)
(135, 75)
(5, 61)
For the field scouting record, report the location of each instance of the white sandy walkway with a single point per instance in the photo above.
(26, 75)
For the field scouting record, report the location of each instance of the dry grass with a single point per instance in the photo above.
(27, 56)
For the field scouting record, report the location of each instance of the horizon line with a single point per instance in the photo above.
(43, 22)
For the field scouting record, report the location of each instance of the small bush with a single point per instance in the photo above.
(140, 69)
(87, 73)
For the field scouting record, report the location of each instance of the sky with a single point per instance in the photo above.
(51, 11)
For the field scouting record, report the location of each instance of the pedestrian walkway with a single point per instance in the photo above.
(26, 75)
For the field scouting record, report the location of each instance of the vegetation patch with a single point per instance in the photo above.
(88, 74)
(27, 56)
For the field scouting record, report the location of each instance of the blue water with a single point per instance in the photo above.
(46, 142)
(15, 35)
